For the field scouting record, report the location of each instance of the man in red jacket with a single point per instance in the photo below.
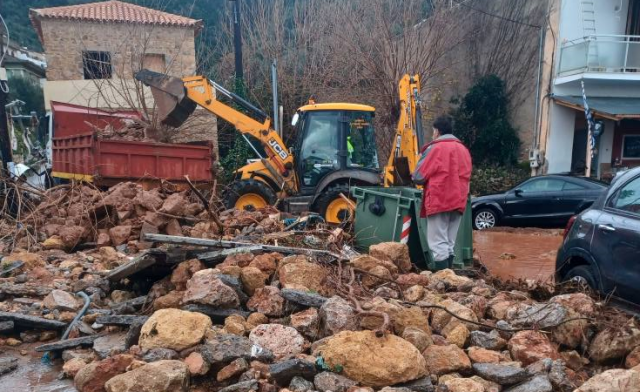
(445, 171)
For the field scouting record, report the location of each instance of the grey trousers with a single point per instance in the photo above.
(442, 230)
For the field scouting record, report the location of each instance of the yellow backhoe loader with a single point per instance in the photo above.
(335, 147)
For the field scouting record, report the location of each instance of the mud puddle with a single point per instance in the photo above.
(519, 254)
(32, 375)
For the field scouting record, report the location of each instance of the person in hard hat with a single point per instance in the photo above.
(444, 169)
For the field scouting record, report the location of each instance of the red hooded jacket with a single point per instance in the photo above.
(445, 171)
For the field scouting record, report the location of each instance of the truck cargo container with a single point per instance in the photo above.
(78, 153)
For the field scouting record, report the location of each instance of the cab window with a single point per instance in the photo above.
(628, 197)
(361, 144)
(319, 151)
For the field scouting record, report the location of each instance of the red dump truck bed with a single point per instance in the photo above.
(83, 156)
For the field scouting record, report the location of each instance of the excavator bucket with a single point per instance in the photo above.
(170, 97)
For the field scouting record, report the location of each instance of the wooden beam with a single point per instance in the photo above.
(24, 320)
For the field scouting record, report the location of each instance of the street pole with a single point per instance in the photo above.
(237, 46)
(5, 141)
(276, 109)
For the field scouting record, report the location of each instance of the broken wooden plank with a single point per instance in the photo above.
(219, 255)
(145, 260)
(6, 326)
(121, 319)
(24, 290)
(69, 343)
(217, 315)
(179, 240)
(303, 298)
(24, 320)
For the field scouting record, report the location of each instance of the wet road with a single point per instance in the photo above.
(32, 375)
(518, 253)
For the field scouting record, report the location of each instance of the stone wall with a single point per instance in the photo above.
(64, 42)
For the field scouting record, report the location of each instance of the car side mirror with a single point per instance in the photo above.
(518, 192)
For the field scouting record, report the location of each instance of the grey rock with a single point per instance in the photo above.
(542, 366)
(236, 285)
(284, 371)
(490, 341)
(501, 374)
(159, 354)
(6, 326)
(539, 315)
(299, 384)
(303, 298)
(559, 378)
(108, 345)
(539, 383)
(504, 329)
(133, 334)
(337, 315)
(223, 349)
(327, 381)
(245, 386)
(7, 365)
(420, 385)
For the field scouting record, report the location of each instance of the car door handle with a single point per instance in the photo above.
(608, 228)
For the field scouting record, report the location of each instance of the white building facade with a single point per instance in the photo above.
(595, 42)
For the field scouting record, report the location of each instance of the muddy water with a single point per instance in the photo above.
(32, 375)
(518, 254)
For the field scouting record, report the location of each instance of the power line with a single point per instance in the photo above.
(498, 16)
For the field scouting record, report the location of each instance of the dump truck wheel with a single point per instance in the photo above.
(249, 195)
(332, 207)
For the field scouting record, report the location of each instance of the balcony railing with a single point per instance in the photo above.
(601, 53)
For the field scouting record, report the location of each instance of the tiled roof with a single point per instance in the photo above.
(111, 11)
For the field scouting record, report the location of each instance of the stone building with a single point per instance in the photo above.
(93, 50)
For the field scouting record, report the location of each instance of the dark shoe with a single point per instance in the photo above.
(450, 261)
(440, 264)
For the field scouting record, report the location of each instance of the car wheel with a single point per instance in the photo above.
(485, 218)
(582, 275)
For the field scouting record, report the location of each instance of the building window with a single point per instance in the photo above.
(631, 147)
(153, 62)
(96, 65)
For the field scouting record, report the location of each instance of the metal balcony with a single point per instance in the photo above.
(613, 54)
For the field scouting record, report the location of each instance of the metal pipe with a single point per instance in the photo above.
(538, 123)
(46, 358)
(274, 89)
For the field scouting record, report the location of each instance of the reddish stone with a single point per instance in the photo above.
(92, 377)
(267, 300)
(184, 271)
(233, 369)
(119, 234)
(531, 346)
(412, 279)
(173, 228)
(197, 365)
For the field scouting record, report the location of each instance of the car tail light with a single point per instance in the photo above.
(567, 229)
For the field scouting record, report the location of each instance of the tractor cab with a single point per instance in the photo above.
(331, 138)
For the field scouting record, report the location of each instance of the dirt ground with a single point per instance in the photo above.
(33, 374)
(518, 253)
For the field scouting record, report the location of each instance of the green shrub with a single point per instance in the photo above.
(495, 179)
(481, 121)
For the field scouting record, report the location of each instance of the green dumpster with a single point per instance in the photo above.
(381, 213)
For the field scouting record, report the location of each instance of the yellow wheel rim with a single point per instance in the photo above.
(249, 201)
(338, 211)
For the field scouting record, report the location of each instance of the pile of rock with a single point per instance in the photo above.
(269, 322)
(77, 214)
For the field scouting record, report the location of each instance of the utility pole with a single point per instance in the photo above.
(237, 46)
(5, 141)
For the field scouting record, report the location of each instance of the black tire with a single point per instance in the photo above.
(486, 215)
(583, 274)
(243, 187)
(328, 195)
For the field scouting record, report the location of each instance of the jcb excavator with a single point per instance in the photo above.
(335, 147)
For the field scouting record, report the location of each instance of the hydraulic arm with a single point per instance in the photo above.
(177, 98)
(409, 135)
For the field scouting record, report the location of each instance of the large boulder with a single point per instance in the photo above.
(161, 376)
(531, 346)
(615, 380)
(92, 377)
(301, 274)
(614, 342)
(282, 341)
(396, 252)
(206, 288)
(373, 361)
(337, 315)
(446, 359)
(174, 329)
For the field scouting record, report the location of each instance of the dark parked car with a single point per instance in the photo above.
(543, 200)
(601, 247)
